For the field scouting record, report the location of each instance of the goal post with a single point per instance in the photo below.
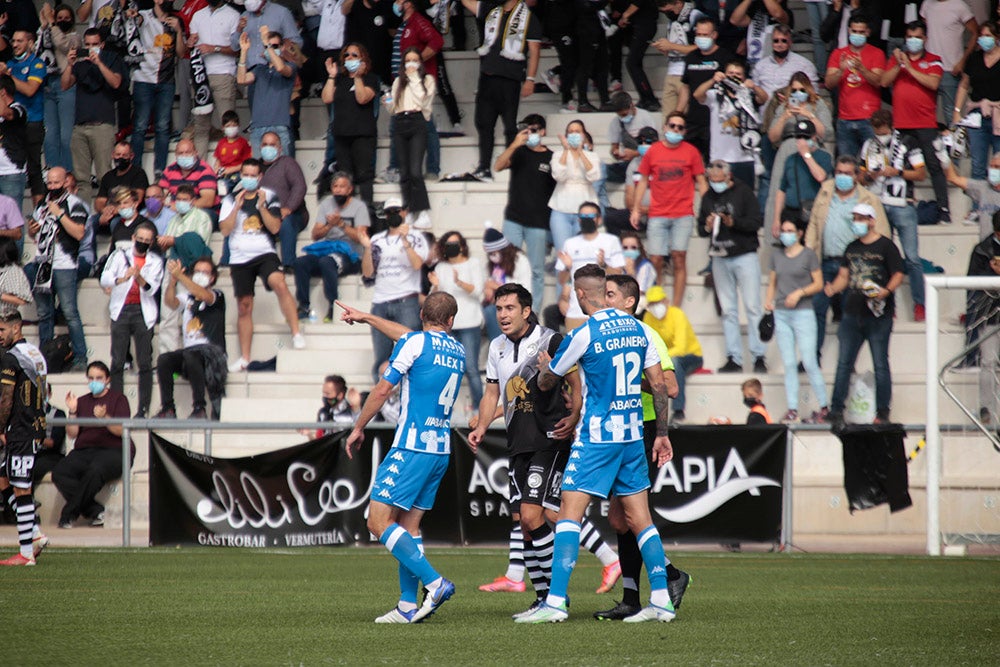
(934, 285)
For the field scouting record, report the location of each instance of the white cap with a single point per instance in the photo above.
(864, 209)
(392, 202)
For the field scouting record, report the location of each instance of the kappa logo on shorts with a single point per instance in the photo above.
(393, 469)
(568, 480)
(396, 456)
(384, 494)
(571, 467)
(534, 480)
(575, 455)
(389, 481)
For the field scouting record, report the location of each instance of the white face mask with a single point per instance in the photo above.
(231, 131)
(658, 310)
(253, 6)
(412, 66)
(201, 279)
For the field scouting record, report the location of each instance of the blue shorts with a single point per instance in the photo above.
(607, 468)
(408, 479)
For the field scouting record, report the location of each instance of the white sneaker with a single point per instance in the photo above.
(299, 341)
(396, 616)
(422, 221)
(38, 544)
(239, 365)
(457, 129)
(569, 107)
(652, 613)
(972, 219)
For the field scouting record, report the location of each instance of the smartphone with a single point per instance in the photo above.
(521, 127)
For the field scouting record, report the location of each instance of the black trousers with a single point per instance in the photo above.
(34, 135)
(81, 476)
(446, 92)
(925, 139)
(496, 97)
(356, 156)
(560, 28)
(592, 50)
(131, 325)
(183, 362)
(641, 36)
(411, 147)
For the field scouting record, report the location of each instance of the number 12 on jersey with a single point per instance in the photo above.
(628, 367)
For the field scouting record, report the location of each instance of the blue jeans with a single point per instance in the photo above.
(904, 220)
(405, 311)
(851, 134)
(854, 331)
(490, 317)
(981, 142)
(433, 146)
(947, 89)
(821, 302)
(798, 327)
(284, 135)
(817, 13)
(739, 273)
(535, 242)
(291, 225)
(60, 111)
(470, 339)
(563, 226)
(12, 185)
(601, 188)
(683, 366)
(156, 100)
(64, 287)
(308, 266)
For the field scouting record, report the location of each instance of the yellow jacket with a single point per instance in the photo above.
(675, 330)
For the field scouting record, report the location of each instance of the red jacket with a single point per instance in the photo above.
(418, 31)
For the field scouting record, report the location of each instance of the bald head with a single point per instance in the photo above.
(187, 156)
(55, 181)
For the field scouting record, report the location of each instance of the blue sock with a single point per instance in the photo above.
(655, 561)
(406, 550)
(409, 585)
(565, 551)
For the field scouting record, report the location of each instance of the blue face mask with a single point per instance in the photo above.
(627, 119)
(269, 153)
(631, 253)
(96, 387)
(126, 213)
(185, 161)
(352, 65)
(534, 139)
(993, 176)
(183, 206)
(843, 182)
(22, 56)
(250, 183)
(914, 44)
(719, 186)
(642, 149)
(986, 43)
(704, 43)
(799, 96)
(397, 9)
(856, 40)
(788, 239)
(673, 137)
(574, 139)
(859, 228)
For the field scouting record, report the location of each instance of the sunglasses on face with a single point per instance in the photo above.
(780, 41)
(352, 55)
(675, 126)
(798, 90)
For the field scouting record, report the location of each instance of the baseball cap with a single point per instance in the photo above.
(864, 209)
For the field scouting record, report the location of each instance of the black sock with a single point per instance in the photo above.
(673, 574)
(631, 561)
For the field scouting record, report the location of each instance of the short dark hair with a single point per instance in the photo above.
(253, 162)
(101, 366)
(590, 204)
(337, 381)
(621, 101)
(996, 221)
(916, 25)
(11, 317)
(89, 32)
(523, 295)
(186, 189)
(707, 19)
(275, 33)
(848, 159)
(7, 85)
(230, 117)
(534, 119)
(438, 308)
(882, 118)
(677, 114)
(627, 284)
(859, 17)
(735, 61)
(9, 256)
(211, 262)
(148, 226)
(589, 271)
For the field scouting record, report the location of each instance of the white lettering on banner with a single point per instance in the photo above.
(314, 539)
(334, 496)
(730, 482)
(493, 480)
(487, 508)
(231, 540)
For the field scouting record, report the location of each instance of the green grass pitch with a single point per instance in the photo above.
(315, 607)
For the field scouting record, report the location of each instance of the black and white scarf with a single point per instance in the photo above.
(45, 241)
(203, 102)
(514, 33)
(738, 115)
(124, 34)
(45, 49)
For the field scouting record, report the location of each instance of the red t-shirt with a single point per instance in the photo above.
(858, 98)
(231, 152)
(132, 298)
(913, 105)
(671, 172)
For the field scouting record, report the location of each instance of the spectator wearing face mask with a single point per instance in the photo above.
(230, 152)
(637, 264)
(60, 105)
(133, 275)
(211, 28)
(575, 170)
(623, 134)
(202, 360)
(675, 329)
(190, 168)
(504, 264)
(590, 246)
(271, 84)
(125, 171)
(154, 210)
(341, 406)
(283, 176)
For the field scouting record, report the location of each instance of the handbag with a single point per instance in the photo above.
(766, 327)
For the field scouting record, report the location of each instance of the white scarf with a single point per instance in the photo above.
(513, 34)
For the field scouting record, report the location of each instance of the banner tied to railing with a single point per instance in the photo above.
(724, 484)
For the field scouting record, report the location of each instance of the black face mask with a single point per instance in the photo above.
(393, 219)
(749, 401)
(780, 55)
(65, 26)
(141, 247)
(56, 193)
(122, 163)
(588, 225)
(452, 250)
(330, 402)
(340, 199)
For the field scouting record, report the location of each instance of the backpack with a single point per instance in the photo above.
(58, 354)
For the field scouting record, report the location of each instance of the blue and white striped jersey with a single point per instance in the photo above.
(612, 350)
(430, 365)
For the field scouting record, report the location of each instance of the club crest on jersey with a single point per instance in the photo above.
(534, 480)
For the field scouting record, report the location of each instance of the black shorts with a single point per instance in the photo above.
(536, 478)
(17, 462)
(245, 275)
